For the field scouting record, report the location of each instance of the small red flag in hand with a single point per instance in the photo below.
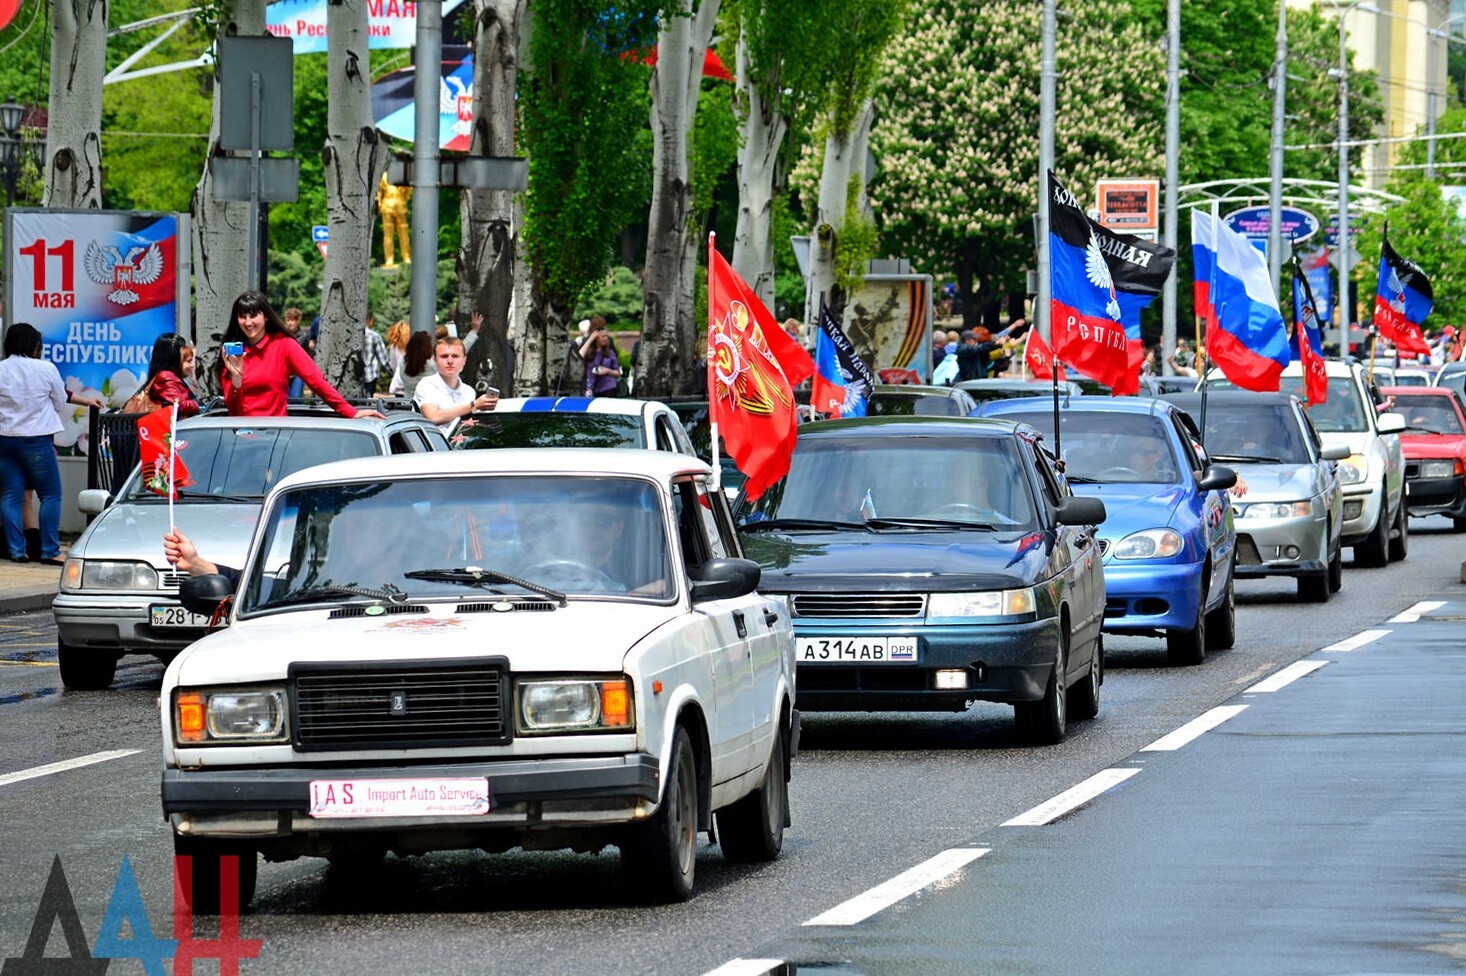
(163, 470)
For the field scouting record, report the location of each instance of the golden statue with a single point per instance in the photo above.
(392, 205)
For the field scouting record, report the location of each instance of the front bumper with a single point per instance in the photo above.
(1436, 496)
(1003, 662)
(1282, 547)
(1362, 505)
(1141, 597)
(264, 803)
(119, 624)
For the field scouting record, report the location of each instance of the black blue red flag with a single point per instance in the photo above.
(1403, 300)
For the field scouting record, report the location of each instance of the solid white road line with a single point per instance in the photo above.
(908, 882)
(1357, 641)
(1056, 807)
(1286, 676)
(65, 764)
(1195, 728)
(746, 967)
(1413, 614)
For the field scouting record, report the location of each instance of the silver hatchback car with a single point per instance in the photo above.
(1290, 518)
(119, 595)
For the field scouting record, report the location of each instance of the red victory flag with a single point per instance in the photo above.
(753, 367)
(1038, 357)
(163, 470)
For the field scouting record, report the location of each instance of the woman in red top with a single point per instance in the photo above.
(255, 383)
(165, 384)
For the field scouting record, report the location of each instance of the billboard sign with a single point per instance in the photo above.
(100, 286)
(1128, 206)
(1255, 222)
(390, 23)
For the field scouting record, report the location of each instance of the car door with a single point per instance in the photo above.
(1213, 510)
(730, 723)
(1077, 551)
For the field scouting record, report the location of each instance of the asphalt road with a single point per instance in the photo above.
(872, 796)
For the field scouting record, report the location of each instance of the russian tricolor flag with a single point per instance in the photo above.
(1245, 333)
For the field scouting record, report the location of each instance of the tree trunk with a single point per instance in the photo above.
(355, 156)
(220, 228)
(74, 129)
(841, 165)
(763, 135)
(486, 255)
(666, 352)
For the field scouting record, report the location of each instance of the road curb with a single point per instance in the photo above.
(26, 602)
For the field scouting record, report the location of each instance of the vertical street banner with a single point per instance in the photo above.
(100, 286)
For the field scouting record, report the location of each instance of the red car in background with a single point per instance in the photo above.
(1434, 443)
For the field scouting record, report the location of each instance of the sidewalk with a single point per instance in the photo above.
(27, 586)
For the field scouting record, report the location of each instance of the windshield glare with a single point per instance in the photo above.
(1429, 413)
(1110, 448)
(582, 536)
(1262, 431)
(549, 429)
(1343, 411)
(975, 480)
(247, 461)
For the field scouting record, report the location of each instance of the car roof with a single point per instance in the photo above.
(657, 465)
(912, 389)
(1227, 398)
(1416, 391)
(624, 406)
(961, 426)
(1087, 404)
(209, 420)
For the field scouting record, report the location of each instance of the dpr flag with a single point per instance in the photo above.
(842, 380)
(1307, 342)
(1402, 301)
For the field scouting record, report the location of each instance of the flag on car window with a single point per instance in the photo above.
(1101, 281)
(163, 471)
(1402, 301)
(753, 367)
(1245, 334)
(842, 380)
(1307, 342)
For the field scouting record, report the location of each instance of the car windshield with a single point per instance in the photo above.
(850, 480)
(1435, 414)
(911, 405)
(549, 429)
(1264, 432)
(1109, 448)
(229, 463)
(1343, 411)
(1453, 379)
(424, 538)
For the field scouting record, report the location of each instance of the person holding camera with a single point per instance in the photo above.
(602, 366)
(443, 397)
(258, 358)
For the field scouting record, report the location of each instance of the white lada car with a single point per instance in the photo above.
(491, 649)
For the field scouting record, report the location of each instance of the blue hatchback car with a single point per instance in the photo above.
(1169, 542)
(930, 563)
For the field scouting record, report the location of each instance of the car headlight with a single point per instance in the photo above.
(1276, 510)
(987, 603)
(1438, 469)
(1149, 544)
(106, 574)
(1353, 470)
(574, 705)
(232, 716)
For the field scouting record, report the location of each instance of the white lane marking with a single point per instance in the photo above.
(908, 882)
(1286, 676)
(1414, 613)
(65, 764)
(1195, 728)
(1357, 641)
(746, 967)
(1056, 807)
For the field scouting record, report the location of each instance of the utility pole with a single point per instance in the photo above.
(1169, 236)
(1275, 166)
(1047, 99)
(422, 297)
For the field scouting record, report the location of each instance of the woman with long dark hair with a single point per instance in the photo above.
(256, 381)
(165, 382)
(417, 362)
(32, 397)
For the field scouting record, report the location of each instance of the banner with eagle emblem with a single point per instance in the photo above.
(1307, 341)
(1402, 301)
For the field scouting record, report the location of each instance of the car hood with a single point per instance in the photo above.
(1433, 445)
(1130, 507)
(1278, 482)
(585, 636)
(134, 530)
(815, 562)
(1357, 441)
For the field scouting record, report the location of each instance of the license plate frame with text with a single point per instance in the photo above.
(171, 616)
(436, 796)
(880, 649)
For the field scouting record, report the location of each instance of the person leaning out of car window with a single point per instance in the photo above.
(443, 397)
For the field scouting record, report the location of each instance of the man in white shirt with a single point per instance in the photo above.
(443, 397)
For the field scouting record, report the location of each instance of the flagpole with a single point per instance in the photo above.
(717, 479)
(172, 459)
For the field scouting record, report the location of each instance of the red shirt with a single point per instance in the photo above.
(267, 368)
(168, 388)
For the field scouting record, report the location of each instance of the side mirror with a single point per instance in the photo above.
(203, 594)
(1081, 511)
(723, 579)
(1336, 453)
(1390, 423)
(91, 501)
(1217, 477)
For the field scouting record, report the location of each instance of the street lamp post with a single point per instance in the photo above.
(1341, 251)
(11, 114)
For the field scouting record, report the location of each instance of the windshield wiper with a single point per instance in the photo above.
(799, 523)
(1254, 458)
(218, 497)
(389, 593)
(927, 523)
(477, 576)
(1079, 479)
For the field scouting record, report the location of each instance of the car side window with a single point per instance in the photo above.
(712, 530)
(401, 443)
(690, 531)
(723, 513)
(1313, 437)
(1053, 492)
(665, 440)
(1188, 448)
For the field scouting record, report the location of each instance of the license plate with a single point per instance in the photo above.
(856, 650)
(171, 615)
(428, 797)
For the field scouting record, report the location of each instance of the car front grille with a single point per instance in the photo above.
(1104, 548)
(840, 606)
(171, 580)
(401, 706)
